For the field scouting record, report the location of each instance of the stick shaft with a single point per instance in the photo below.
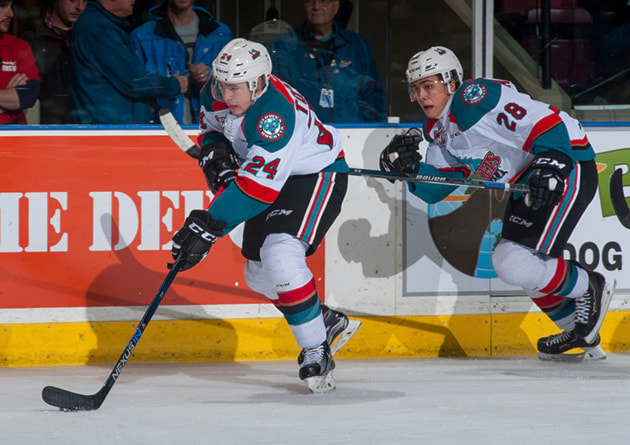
(177, 134)
(188, 146)
(443, 180)
(133, 341)
(70, 401)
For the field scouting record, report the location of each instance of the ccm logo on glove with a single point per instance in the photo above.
(196, 228)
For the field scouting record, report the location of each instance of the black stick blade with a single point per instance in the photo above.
(70, 401)
(618, 199)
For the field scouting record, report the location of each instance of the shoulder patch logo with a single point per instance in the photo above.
(474, 93)
(271, 126)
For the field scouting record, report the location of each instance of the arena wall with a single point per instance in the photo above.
(86, 216)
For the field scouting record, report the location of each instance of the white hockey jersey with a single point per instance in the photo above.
(492, 131)
(279, 136)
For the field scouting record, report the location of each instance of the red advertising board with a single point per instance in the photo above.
(86, 220)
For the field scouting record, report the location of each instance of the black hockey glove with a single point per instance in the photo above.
(546, 179)
(194, 239)
(218, 164)
(401, 154)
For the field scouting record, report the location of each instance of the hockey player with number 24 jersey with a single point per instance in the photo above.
(485, 127)
(273, 165)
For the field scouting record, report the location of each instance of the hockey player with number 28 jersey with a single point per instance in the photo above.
(273, 165)
(485, 127)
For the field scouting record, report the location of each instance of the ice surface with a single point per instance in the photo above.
(388, 401)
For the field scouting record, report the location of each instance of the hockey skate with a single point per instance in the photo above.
(316, 368)
(591, 308)
(339, 329)
(556, 347)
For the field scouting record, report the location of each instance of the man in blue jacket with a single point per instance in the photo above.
(181, 39)
(332, 67)
(109, 84)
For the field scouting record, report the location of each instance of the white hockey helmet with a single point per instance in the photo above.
(242, 60)
(435, 60)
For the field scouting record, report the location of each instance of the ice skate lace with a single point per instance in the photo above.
(313, 355)
(583, 308)
(558, 338)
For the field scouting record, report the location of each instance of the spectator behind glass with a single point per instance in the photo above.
(19, 79)
(181, 39)
(332, 67)
(108, 82)
(51, 48)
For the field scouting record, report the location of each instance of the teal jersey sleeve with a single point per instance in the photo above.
(555, 138)
(213, 136)
(433, 193)
(270, 122)
(235, 207)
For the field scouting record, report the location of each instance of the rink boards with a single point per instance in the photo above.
(86, 218)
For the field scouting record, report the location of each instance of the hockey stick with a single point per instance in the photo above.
(70, 401)
(443, 180)
(188, 146)
(181, 139)
(618, 199)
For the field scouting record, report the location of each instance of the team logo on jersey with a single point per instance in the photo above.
(271, 126)
(489, 169)
(474, 93)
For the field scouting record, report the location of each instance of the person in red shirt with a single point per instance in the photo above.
(19, 79)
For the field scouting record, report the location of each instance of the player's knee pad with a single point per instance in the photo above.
(284, 259)
(522, 266)
(258, 280)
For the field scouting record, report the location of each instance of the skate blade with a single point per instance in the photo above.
(346, 334)
(609, 290)
(589, 354)
(321, 384)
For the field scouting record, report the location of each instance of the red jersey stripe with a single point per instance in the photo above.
(256, 191)
(542, 126)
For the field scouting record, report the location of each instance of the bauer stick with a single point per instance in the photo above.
(188, 146)
(70, 401)
(443, 180)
